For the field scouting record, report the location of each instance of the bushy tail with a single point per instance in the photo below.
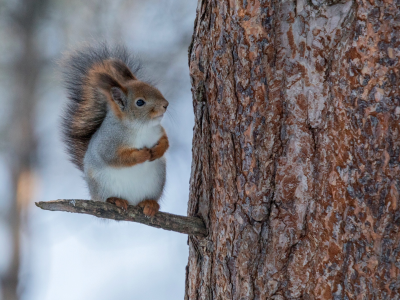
(87, 107)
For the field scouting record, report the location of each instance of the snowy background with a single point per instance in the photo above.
(72, 256)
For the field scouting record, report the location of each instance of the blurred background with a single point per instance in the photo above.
(55, 255)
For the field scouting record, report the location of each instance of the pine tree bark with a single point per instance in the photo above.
(296, 150)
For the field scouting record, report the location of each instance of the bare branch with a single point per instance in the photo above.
(188, 225)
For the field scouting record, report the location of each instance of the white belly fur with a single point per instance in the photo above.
(137, 183)
(134, 184)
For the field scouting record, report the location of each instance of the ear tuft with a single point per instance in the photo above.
(123, 70)
(119, 97)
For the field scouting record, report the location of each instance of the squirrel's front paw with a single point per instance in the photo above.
(131, 156)
(158, 150)
(150, 207)
(121, 203)
(143, 155)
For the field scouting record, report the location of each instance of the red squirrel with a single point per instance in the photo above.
(112, 127)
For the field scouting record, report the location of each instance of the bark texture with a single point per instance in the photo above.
(188, 225)
(296, 150)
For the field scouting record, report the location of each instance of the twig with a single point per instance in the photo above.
(188, 225)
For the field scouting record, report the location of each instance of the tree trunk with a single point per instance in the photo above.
(296, 150)
(22, 140)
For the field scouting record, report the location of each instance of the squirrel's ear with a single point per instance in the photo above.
(119, 97)
(123, 70)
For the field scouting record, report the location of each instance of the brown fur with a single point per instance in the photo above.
(158, 150)
(156, 105)
(128, 157)
(130, 86)
(121, 203)
(92, 76)
(99, 80)
(90, 103)
(92, 106)
(106, 67)
(150, 207)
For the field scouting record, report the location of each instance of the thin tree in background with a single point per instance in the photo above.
(23, 143)
(296, 150)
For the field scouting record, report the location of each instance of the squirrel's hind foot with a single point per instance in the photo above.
(150, 207)
(121, 203)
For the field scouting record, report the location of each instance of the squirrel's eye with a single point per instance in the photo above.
(140, 102)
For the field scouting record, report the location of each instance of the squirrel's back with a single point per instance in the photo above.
(84, 70)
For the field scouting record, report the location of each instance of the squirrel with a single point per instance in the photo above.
(111, 127)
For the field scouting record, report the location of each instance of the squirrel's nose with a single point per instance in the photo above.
(166, 105)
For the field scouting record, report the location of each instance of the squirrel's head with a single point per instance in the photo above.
(138, 101)
(130, 99)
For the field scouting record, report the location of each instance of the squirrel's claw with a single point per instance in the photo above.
(121, 203)
(150, 207)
